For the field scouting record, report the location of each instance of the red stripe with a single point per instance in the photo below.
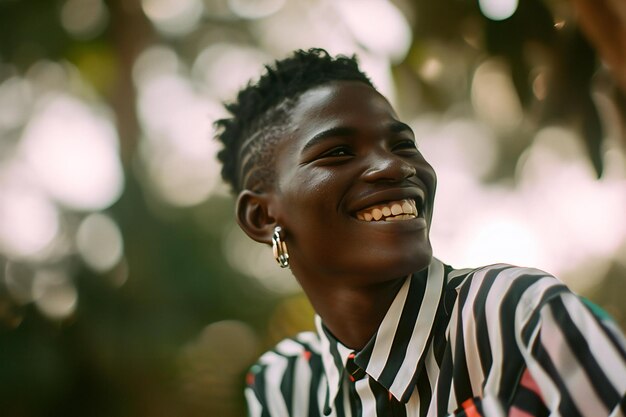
(529, 383)
(249, 378)
(516, 412)
(470, 408)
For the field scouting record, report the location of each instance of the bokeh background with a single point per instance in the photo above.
(126, 289)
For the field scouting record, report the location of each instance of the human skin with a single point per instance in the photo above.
(345, 150)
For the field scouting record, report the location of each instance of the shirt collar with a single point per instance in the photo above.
(423, 290)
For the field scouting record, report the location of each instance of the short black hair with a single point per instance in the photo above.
(261, 111)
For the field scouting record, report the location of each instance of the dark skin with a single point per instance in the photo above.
(346, 151)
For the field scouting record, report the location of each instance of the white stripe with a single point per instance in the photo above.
(492, 312)
(452, 402)
(413, 405)
(273, 375)
(457, 272)
(310, 338)
(301, 388)
(421, 330)
(368, 400)
(386, 332)
(432, 369)
(531, 298)
(616, 331)
(571, 372)
(617, 412)
(302, 376)
(451, 331)
(332, 373)
(549, 391)
(605, 353)
(347, 410)
(492, 407)
(470, 342)
(321, 397)
(289, 347)
(254, 406)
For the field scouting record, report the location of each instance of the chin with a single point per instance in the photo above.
(412, 261)
(398, 263)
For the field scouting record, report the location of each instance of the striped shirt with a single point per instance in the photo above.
(494, 341)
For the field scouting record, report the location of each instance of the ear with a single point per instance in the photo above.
(253, 217)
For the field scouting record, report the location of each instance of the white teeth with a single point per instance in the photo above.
(398, 210)
(400, 217)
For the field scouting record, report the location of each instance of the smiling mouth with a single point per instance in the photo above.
(398, 210)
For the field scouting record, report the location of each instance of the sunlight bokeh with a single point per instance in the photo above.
(126, 286)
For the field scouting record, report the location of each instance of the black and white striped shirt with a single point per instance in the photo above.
(494, 341)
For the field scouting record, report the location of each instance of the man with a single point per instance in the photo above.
(327, 174)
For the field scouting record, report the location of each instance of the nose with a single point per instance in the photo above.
(387, 166)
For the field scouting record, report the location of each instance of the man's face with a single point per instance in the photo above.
(353, 194)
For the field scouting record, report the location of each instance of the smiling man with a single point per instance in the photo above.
(326, 173)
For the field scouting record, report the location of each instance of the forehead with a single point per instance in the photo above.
(339, 104)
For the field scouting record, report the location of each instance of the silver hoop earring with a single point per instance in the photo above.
(279, 247)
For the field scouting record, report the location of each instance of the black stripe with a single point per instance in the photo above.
(334, 350)
(607, 331)
(338, 406)
(287, 383)
(397, 408)
(425, 392)
(566, 406)
(579, 346)
(404, 331)
(442, 319)
(443, 382)
(527, 400)
(315, 362)
(480, 317)
(530, 326)
(450, 284)
(512, 359)
(355, 402)
(461, 379)
(382, 398)
(258, 386)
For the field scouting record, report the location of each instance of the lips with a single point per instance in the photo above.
(398, 210)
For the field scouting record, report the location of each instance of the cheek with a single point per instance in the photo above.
(311, 204)
(314, 189)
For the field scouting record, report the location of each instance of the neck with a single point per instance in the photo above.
(353, 315)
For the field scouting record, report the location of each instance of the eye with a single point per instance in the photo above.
(407, 146)
(338, 151)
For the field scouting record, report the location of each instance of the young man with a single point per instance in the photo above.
(328, 175)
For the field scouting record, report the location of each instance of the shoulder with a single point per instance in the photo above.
(503, 291)
(304, 347)
(501, 280)
(281, 375)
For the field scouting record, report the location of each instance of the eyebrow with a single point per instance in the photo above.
(343, 131)
(329, 133)
(398, 127)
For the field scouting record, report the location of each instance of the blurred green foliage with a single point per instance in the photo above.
(119, 354)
